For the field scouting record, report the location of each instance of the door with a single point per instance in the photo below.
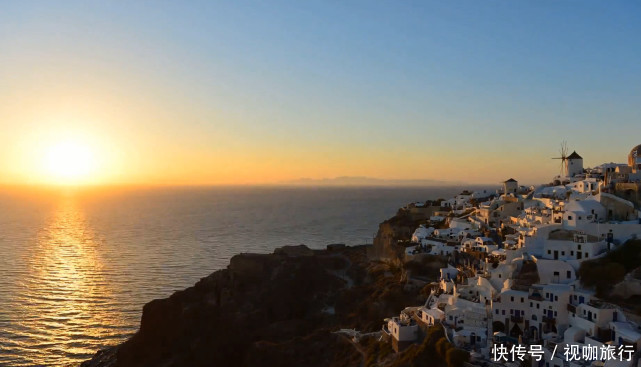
(556, 255)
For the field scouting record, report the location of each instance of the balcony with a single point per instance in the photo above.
(571, 308)
(516, 319)
(535, 297)
(549, 319)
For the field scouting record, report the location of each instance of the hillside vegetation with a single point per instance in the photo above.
(602, 274)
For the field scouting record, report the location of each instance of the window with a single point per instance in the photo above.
(556, 298)
(497, 311)
(571, 253)
(569, 217)
(537, 305)
(569, 275)
(578, 247)
(512, 299)
(522, 300)
(579, 217)
(563, 253)
(503, 312)
(530, 304)
(549, 252)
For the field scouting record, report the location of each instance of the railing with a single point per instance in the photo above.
(516, 318)
(549, 319)
(571, 308)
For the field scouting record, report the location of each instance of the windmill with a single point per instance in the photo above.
(564, 159)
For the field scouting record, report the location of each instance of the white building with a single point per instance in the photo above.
(448, 273)
(575, 164)
(579, 212)
(511, 186)
(422, 233)
(580, 247)
(585, 186)
(431, 316)
(402, 329)
(555, 272)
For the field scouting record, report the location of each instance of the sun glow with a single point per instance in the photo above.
(69, 162)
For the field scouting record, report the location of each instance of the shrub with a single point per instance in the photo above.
(442, 346)
(604, 273)
(457, 357)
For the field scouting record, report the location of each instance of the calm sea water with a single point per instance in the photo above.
(77, 267)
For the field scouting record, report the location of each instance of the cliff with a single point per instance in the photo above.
(277, 309)
(397, 229)
(616, 277)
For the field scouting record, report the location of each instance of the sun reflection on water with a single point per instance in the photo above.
(66, 311)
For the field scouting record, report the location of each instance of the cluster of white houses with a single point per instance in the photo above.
(527, 244)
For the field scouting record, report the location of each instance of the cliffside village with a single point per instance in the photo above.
(514, 255)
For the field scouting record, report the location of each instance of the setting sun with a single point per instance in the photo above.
(69, 162)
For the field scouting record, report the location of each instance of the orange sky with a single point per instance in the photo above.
(218, 94)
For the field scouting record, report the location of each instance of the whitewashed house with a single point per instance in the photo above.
(402, 329)
(579, 212)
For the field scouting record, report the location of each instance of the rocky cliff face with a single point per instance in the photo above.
(398, 228)
(268, 310)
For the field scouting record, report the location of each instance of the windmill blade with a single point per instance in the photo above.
(564, 158)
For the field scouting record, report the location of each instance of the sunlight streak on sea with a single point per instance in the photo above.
(65, 310)
(77, 268)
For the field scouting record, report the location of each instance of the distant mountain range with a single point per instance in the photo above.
(368, 181)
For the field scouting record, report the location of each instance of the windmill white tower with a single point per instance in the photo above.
(574, 164)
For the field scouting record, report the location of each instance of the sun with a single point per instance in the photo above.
(69, 162)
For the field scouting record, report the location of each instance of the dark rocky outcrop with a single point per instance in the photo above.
(276, 309)
(526, 277)
(391, 233)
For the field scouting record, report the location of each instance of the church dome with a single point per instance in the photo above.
(634, 156)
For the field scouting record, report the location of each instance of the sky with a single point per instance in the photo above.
(236, 92)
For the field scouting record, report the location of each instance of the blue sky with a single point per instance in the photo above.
(460, 90)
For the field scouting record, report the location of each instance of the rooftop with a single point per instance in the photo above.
(574, 155)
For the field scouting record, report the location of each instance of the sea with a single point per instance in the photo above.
(77, 265)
